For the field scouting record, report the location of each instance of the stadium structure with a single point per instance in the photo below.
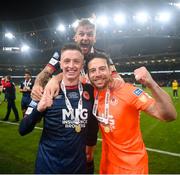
(134, 34)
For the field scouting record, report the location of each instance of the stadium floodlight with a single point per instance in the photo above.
(163, 17)
(141, 17)
(75, 23)
(102, 21)
(25, 48)
(175, 4)
(119, 19)
(9, 35)
(61, 28)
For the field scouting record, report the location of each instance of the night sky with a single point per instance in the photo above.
(28, 9)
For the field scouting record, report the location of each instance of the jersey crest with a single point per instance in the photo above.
(86, 95)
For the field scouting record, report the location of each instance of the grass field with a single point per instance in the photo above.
(17, 153)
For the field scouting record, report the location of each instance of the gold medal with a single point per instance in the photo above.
(77, 128)
(106, 129)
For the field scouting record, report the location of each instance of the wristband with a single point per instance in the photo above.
(54, 61)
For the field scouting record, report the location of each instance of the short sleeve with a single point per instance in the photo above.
(141, 100)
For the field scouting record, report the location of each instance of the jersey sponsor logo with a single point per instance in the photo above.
(138, 92)
(70, 119)
(114, 101)
(29, 110)
(53, 61)
(86, 95)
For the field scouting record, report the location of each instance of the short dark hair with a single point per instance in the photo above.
(85, 22)
(8, 77)
(102, 55)
(27, 72)
(71, 46)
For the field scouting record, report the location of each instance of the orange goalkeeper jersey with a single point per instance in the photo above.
(123, 150)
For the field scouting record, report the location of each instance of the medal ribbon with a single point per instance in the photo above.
(106, 110)
(83, 73)
(68, 104)
(27, 83)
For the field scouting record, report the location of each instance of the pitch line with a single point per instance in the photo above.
(148, 149)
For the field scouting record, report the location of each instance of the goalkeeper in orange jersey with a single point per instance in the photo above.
(118, 113)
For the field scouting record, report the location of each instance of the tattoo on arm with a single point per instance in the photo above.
(42, 78)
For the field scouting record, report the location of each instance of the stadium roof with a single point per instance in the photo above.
(35, 22)
(28, 9)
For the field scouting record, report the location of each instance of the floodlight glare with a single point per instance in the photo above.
(119, 19)
(164, 17)
(75, 23)
(92, 20)
(9, 35)
(102, 20)
(25, 48)
(141, 17)
(61, 28)
(175, 4)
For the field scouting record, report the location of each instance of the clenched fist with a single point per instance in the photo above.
(143, 76)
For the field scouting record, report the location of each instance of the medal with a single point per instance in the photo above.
(106, 129)
(77, 128)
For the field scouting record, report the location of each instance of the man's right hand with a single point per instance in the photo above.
(45, 102)
(37, 92)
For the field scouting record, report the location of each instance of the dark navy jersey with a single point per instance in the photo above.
(61, 147)
(28, 85)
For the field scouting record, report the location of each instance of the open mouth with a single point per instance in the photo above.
(84, 45)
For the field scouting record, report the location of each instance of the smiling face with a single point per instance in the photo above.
(71, 64)
(99, 73)
(85, 37)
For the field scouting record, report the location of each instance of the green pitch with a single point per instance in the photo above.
(17, 153)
